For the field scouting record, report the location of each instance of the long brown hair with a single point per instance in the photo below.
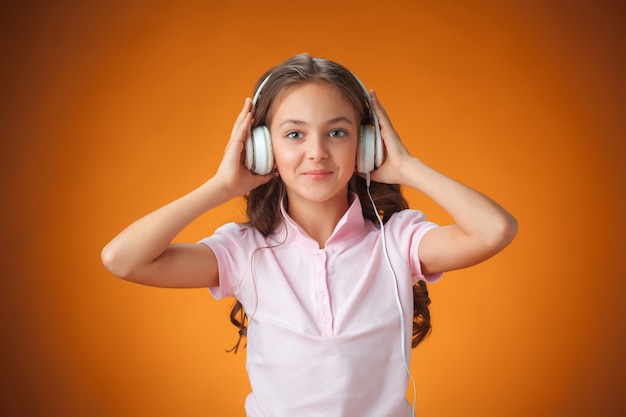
(263, 202)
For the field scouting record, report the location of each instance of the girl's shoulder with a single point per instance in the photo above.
(241, 235)
(407, 216)
(234, 230)
(408, 222)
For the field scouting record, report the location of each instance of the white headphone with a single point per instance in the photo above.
(260, 157)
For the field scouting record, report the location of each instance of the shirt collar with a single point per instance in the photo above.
(349, 227)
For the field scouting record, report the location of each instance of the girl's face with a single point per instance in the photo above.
(314, 132)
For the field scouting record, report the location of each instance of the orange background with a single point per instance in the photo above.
(109, 111)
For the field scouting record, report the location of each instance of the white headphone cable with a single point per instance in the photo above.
(397, 294)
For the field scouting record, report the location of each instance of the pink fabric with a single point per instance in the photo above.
(324, 333)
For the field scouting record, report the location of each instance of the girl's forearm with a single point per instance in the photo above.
(147, 238)
(474, 213)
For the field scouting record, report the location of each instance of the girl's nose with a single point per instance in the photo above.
(316, 148)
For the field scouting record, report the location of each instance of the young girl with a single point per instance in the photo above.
(333, 299)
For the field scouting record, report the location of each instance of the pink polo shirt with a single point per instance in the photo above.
(324, 333)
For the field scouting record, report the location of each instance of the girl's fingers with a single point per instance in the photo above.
(386, 128)
(242, 123)
(380, 111)
(247, 107)
(240, 128)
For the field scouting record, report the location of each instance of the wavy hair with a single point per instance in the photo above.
(263, 203)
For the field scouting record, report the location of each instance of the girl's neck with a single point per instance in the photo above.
(318, 219)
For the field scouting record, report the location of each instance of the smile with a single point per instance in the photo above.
(318, 174)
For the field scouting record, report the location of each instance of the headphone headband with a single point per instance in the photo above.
(258, 90)
(257, 94)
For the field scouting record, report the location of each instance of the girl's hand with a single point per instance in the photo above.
(232, 172)
(396, 153)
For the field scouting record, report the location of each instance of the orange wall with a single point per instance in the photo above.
(109, 111)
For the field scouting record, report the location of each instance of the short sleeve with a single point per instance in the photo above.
(231, 246)
(404, 231)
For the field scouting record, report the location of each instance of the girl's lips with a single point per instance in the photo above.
(318, 174)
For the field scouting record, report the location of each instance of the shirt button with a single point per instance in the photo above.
(323, 295)
(326, 318)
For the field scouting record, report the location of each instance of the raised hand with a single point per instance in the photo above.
(396, 153)
(232, 172)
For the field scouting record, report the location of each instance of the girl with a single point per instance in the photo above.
(328, 290)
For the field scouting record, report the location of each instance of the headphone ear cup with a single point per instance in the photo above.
(250, 152)
(378, 149)
(259, 153)
(365, 150)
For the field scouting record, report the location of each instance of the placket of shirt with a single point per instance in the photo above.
(323, 297)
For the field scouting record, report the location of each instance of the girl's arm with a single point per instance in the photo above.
(481, 227)
(143, 252)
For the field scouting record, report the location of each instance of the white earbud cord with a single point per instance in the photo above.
(397, 294)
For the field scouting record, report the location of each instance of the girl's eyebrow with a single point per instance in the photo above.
(292, 122)
(341, 119)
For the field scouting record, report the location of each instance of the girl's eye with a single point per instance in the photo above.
(294, 135)
(337, 133)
